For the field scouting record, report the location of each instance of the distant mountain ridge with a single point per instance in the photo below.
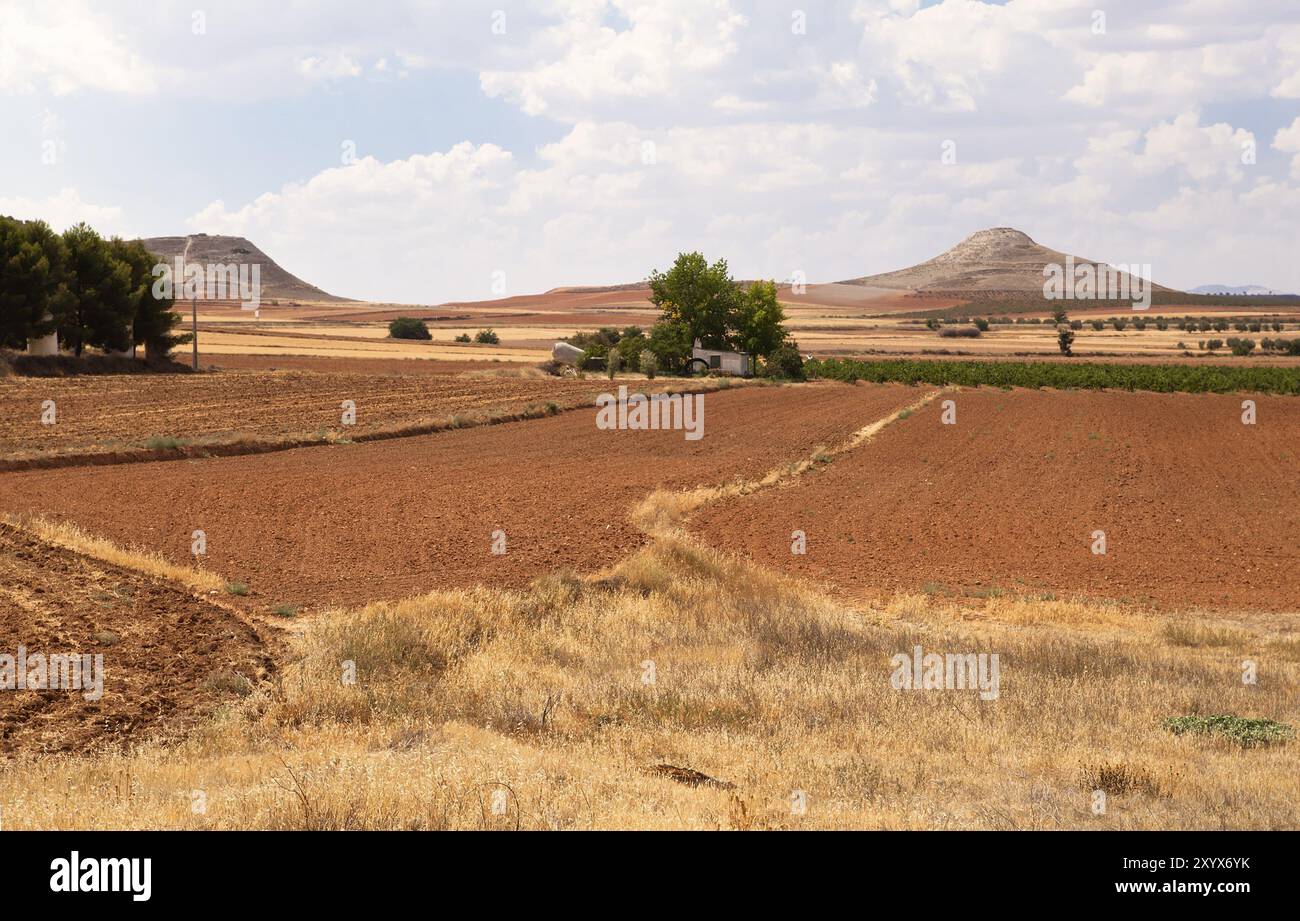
(1238, 290)
(206, 249)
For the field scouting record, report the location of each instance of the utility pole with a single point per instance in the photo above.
(194, 305)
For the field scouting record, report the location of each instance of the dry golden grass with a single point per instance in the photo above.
(558, 705)
(758, 682)
(71, 537)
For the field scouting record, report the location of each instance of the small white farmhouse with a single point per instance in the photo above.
(703, 359)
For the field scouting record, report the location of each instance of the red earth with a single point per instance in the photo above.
(382, 520)
(1197, 508)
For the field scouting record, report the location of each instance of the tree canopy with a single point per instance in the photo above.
(93, 292)
(702, 301)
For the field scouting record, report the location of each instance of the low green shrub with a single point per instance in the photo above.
(1246, 732)
(409, 328)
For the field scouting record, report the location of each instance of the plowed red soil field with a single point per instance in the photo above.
(169, 657)
(1197, 508)
(349, 523)
(97, 414)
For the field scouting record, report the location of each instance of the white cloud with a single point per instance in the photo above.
(330, 66)
(580, 61)
(62, 46)
(1288, 140)
(63, 209)
(1204, 152)
(713, 124)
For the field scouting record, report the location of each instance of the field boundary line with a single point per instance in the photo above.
(663, 511)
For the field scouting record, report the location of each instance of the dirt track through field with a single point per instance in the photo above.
(352, 523)
(1197, 508)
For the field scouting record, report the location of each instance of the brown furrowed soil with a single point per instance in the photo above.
(169, 657)
(382, 520)
(1197, 508)
(123, 413)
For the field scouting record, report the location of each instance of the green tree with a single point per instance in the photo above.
(1065, 340)
(698, 296)
(100, 313)
(34, 294)
(670, 343)
(631, 343)
(759, 320)
(155, 322)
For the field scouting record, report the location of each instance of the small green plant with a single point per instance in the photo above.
(236, 588)
(1244, 731)
(165, 443)
(1065, 340)
(285, 610)
(409, 328)
(1097, 325)
(487, 337)
(464, 337)
(981, 324)
(932, 323)
(1120, 324)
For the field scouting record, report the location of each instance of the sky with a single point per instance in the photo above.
(422, 152)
